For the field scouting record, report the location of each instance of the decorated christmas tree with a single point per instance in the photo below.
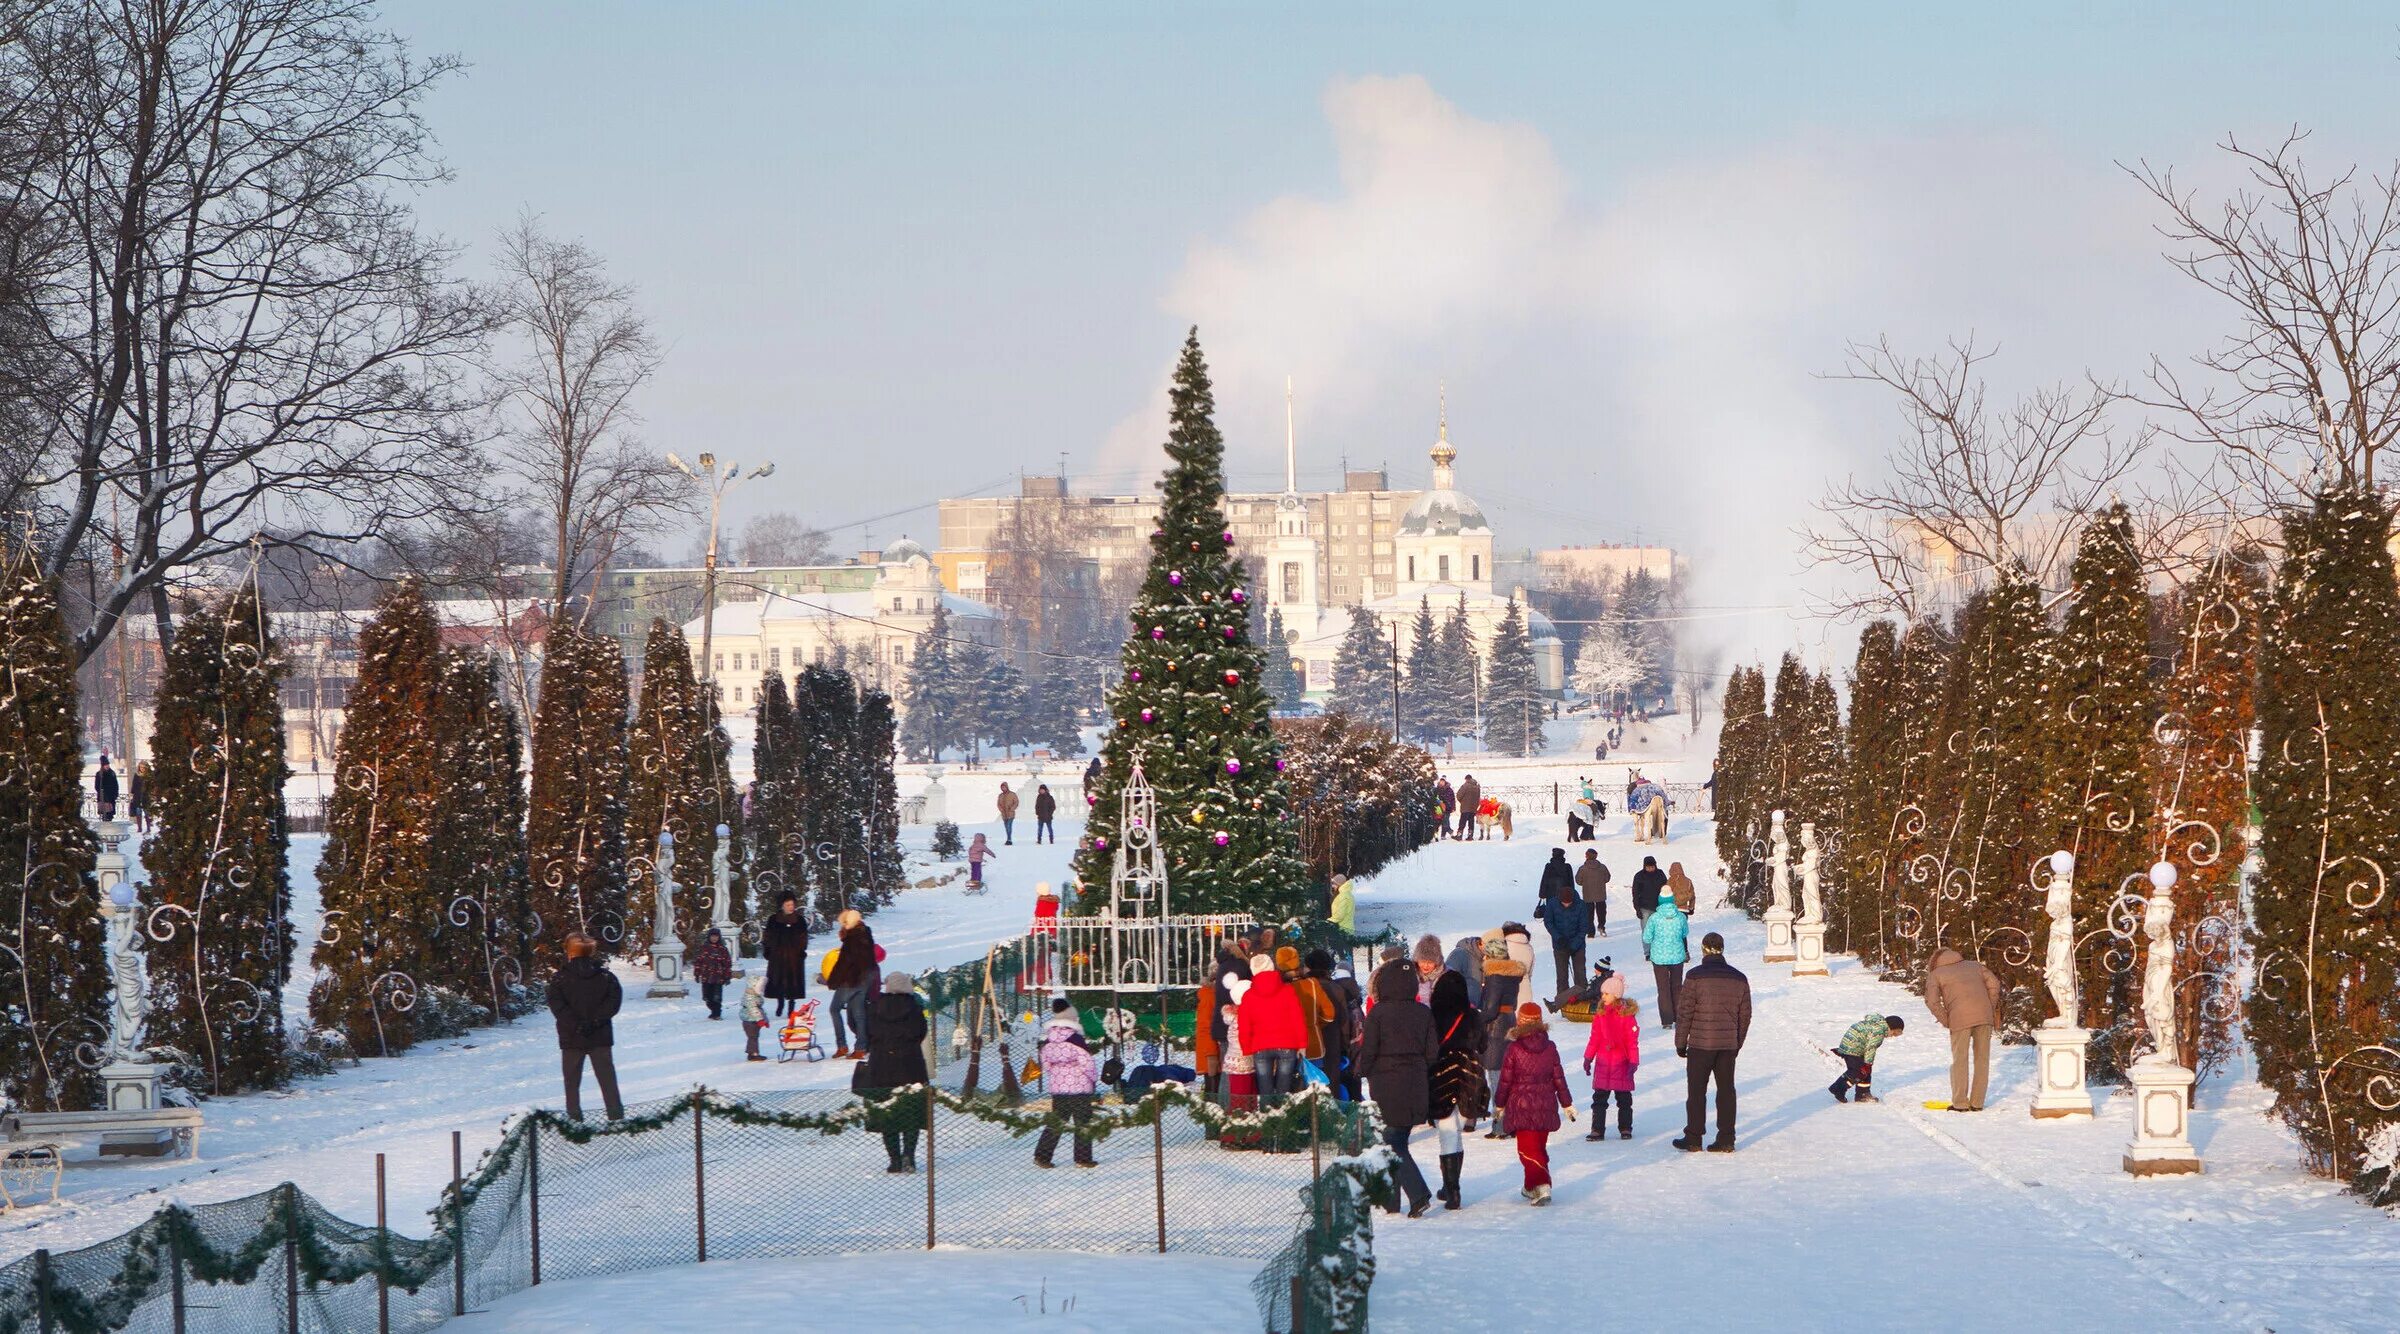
(218, 947)
(382, 906)
(1192, 702)
(53, 958)
(1283, 679)
(575, 836)
(480, 951)
(1512, 702)
(2322, 937)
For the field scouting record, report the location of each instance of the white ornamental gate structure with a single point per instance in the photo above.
(1138, 946)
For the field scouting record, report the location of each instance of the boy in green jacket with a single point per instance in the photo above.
(1857, 1050)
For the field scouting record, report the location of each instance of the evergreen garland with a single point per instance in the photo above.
(53, 956)
(2322, 1010)
(219, 888)
(2102, 706)
(575, 837)
(381, 907)
(1193, 702)
(1512, 706)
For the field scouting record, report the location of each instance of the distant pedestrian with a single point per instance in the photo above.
(1460, 1096)
(1008, 815)
(1859, 1044)
(1344, 909)
(1045, 813)
(754, 1015)
(139, 796)
(1071, 1078)
(1709, 1033)
(1965, 997)
(852, 970)
(712, 968)
(1396, 1055)
(896, 1060)
(1611, 1055)
(1445, 803)
(784, 942)
(1533, 1093)
(1470, 800)
(978, 852)
(1666, 939)
(1591, 885)
(1648, 883)
(1562, 915)
(104, 789)
(1681, 889)
(584, 998)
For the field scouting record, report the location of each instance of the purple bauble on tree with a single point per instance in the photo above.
(1229, 537)
(1134, 675)
(1148, 716)
(1100, 845)
(1158, 632)
(1233, 766)
(1238, 595)
(1279, 764)
(1229, 632)
(1223, 838)
(1175, 577)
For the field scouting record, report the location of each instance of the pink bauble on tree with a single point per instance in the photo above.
(1229, 632)
(1134, 675)
(1149, 716)
(1222, 838)
(1233, 766)
(1229, 537)
(1238, 595)
(1175, 577)
(1158, 632)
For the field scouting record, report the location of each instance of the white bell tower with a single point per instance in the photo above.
(1292, 556)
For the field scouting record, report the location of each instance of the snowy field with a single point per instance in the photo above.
(1829, 1216)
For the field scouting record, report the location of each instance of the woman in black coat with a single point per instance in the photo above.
(1460, 1097)
(784, 940)
(1396, 1056)
(896, 1059)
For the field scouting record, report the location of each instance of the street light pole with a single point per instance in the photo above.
(718, 484)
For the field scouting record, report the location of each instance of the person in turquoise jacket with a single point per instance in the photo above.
(1664, 937)
(1857, 1049)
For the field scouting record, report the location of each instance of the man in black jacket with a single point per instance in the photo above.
(1647, 884)
(584, 998)
(1712, 1020)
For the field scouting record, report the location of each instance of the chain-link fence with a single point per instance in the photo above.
(712, 1176)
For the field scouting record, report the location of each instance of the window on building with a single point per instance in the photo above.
(819, 655)
(737, 694)
(1412, 569)
(1475, 567)
(754, 662)
(1443, 564)
(920, 604)
(1291, 581)
(775, 658)
(720, 663)
(899, 655)
(896, 604)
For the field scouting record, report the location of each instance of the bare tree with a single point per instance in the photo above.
(249, 337)
(584, 351)
(1969, 487)
(778, 538)
(2306, 392)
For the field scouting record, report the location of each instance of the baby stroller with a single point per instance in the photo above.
(800, 1033)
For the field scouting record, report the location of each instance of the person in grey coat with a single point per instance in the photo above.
(1396, 1056)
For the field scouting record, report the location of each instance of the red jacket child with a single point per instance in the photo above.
(1270, 1015)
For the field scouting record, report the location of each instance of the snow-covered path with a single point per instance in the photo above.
(1835, 1216)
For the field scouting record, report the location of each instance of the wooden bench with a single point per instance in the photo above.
(151, 1134)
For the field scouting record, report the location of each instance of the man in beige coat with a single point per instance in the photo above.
(1965, 996)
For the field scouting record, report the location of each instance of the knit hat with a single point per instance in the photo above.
(1260, 963)
(1061, 1005)
(1529, 1013)
(1614, 987)
(898, 984)
(1287, 959)
(1429, 949)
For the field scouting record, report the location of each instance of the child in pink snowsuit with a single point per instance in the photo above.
(976, 853)
(1610, 1057)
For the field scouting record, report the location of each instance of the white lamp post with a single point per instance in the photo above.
(2060, 1044)
(2162, 1087)
(666, 948)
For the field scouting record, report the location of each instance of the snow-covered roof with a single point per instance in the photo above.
(859, 606)
(903, 551)
(1443, 513)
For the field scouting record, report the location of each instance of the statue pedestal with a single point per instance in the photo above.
(2059, 1090)
(2162, 1114)
(937, 800)
(666, 966)
(131, 1086)
(1808, 950)
(1780, 948)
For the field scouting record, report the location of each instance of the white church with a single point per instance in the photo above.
(1441, 551)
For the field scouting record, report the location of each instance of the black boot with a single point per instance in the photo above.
(1451, 1163)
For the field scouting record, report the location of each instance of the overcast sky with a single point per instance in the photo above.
(905, 251)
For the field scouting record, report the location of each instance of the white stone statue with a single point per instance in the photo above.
(1812, 894)
(2058, 964)
(662, 926)
(2158, 976)
(129, 1008)
(1780, 883)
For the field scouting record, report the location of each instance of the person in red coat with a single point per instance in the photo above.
(1533, 1091)
(1045, 936)
(1272, 1028)
(1612, 1055)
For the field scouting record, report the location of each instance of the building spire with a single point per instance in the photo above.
(1443, 454)
(1291, 452)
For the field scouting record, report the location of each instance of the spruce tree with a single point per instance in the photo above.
(1283, 679)
(54, 980)
(382, 907)
(1362, 672)
(1057, 709)
(1193, 704)
(1998, 825)
(2103, 706)
(2201, 793)
(830, 766)
(886, 874)
(2322, 916)
(1454, 705)
(217, 859)
(1512, 703)
(1817, 791)
(1741, 750)
(575, 836)
(478, 857)
(1640, 621)
(677, 779)
(1872, 796)
(1927, 657)
(1421, 699)
(776, 869)
(932, 699)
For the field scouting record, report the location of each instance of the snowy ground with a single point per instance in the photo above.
(1828, 1217)
(897, 1292)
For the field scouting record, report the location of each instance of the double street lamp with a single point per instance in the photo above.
(717, 484)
